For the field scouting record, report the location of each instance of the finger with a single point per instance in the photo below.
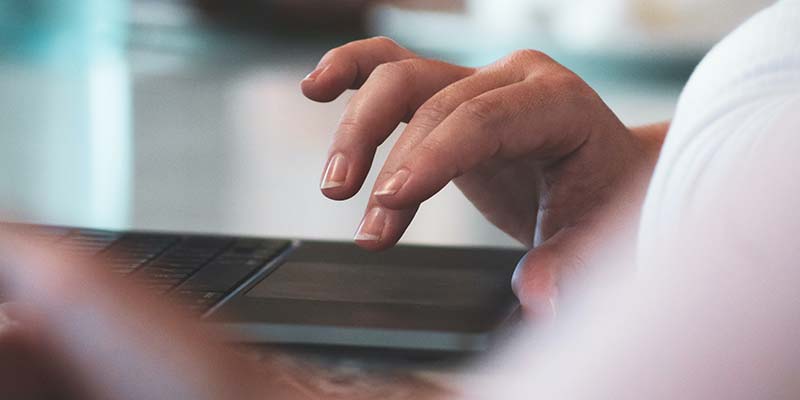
(531, 118)
(349, 66)
(381, 227)
(393, 92)
(540, 275)
(28, 369)
(118, 339)
(20, 375)
(438, 107)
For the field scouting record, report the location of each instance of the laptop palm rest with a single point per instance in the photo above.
(410, 297)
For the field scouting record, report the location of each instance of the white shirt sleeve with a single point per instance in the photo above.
(725, 114)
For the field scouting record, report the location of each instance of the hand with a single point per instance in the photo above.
(76, 331)
(528, 142)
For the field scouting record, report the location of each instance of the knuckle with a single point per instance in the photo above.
(351, 130)
(436, 153)
(568, 82)
(430, 149)
(434, 110)
(359, 46)
(527, 57)
(521, 62)
(348, 125)
(529, 54)
(383, 41)
(415, 64)
(479, 109)
(401, 72)
(569, 88)
(334, 54)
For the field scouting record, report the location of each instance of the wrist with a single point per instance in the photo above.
(651, 137)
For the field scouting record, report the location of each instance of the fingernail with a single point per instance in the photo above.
(541, 311)
(335, 173)
(543, 306)
(548, 310)
(394, 183)
(553, 307)
(371, 228)
(316, 73)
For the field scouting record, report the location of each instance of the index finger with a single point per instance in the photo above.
(349, 66)
(507, 123)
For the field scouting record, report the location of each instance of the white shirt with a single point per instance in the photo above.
(715, 310)
(741, 100)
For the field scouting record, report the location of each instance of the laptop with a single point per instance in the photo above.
(315, 293)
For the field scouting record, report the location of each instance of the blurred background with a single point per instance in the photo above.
(187, 114)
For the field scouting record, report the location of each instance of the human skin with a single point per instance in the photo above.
(76, 331)
(526, 140)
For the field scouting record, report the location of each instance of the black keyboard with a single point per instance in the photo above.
(198, 271)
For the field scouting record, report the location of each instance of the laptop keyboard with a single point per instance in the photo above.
(198, 271)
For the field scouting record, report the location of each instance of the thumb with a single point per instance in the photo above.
(541, 273)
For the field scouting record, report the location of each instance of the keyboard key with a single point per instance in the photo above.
(203, 244)
(190, 254)
(225, 272)
(87, 242)
(198, 297)
(165, 273)
(190, 264)
(43, 233)
(218, 277)
(158, 287)
(132, 251)
(161, 265)
(202, 268)
(198, 301)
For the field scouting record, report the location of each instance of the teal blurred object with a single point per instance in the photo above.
(26, 27)
(52, 28)
(65, 111)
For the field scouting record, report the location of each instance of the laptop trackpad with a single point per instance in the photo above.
(336, 293)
